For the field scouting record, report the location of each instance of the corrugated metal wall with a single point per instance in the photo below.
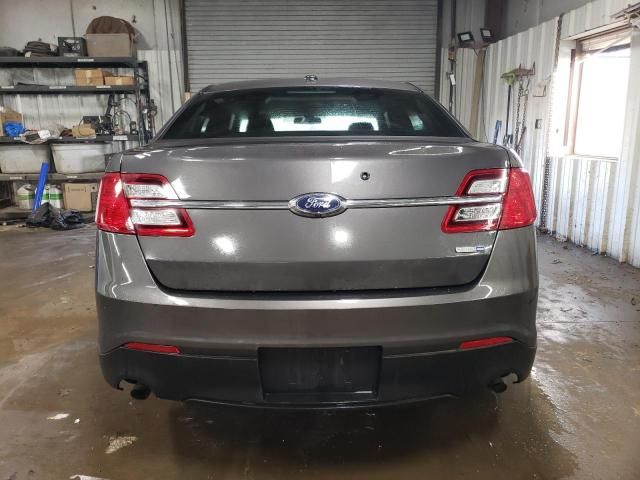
(470, 16)
(464, 73)
(592, 15)
(166, 65)
(617, 230)
(533, 46)
(386, 39)
(592, 202)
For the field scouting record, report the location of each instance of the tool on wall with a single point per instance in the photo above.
(496, 131)
(507, 138)
(522, 77)
(99, 124)
(115, 112)
(150, 112)
(117, 121)
(111, 123)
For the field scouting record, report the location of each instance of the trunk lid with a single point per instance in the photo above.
(276, 250)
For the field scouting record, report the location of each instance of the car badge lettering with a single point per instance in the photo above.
(317, 205)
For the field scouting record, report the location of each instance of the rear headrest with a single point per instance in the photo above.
(260, 123)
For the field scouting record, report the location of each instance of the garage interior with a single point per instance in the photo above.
(553, 80)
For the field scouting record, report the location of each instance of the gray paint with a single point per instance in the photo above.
(131, 307)
(280, 170)
(253, 277)
(252, 250)
(275, 250)
(386, 39)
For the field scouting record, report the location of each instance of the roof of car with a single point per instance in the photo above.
(305, 82)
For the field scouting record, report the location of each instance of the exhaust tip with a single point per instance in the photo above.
(140, 392)
(498, 386)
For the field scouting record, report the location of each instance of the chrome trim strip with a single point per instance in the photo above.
(284, 205)
(423, 202)
(211, 204)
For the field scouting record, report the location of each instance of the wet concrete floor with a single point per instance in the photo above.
(578, 416)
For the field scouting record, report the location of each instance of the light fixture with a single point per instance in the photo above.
(486, 34)
(465, 37)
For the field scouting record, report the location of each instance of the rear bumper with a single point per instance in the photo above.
(418, 331)
(236, 380)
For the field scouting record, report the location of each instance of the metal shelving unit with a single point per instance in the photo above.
(68, 89)
(68, 62)
(97, 139)
(140, 91)
(140, 71)
(12, 177)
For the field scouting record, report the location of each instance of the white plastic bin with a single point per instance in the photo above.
(23, 158)
(80, 158)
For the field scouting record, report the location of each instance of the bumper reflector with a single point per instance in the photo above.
(484, 342)
(150, 347)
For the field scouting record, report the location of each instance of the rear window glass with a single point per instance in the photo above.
(312, 111)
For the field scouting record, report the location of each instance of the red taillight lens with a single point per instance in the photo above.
(152, 347)
(515, 209)
(115, 213)
(112, 212)
(519, 208)
(485, 342)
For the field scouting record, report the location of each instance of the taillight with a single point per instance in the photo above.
(112, 213)
(485, 342)
(481, 215)
(116, 214)
(504, 201)
(152, 347)
(519, 208)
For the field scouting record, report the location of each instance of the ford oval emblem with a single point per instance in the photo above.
(317, 205)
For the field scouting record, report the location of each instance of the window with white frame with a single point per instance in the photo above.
(600, 78)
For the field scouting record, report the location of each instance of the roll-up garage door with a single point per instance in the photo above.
(231, 40)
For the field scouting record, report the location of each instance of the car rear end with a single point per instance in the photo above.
(212, 285)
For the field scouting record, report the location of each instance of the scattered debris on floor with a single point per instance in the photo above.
(85, 477)
(48, 216)
(58, 416)
(119, 441)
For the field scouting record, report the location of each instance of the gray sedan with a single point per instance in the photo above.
(315, 243)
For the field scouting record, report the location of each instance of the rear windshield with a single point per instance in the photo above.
(312, 111)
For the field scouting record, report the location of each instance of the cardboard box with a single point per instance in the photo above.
(80, 196)
(119, 80)
(110, 45)
(6, 116)
(88, 76)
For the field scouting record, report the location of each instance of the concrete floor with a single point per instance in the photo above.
(578, 416)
